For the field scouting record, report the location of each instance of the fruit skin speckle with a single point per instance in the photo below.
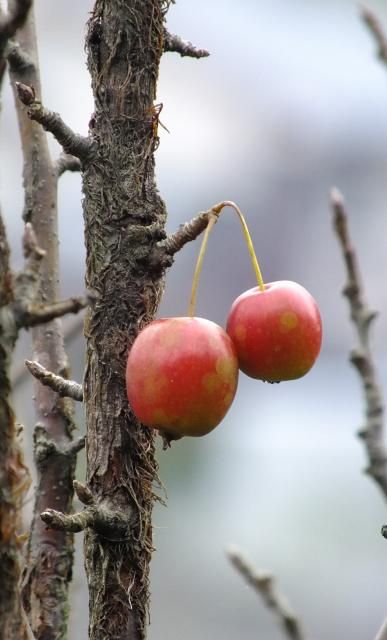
(288, 321)
(281, 329)
(182, 375)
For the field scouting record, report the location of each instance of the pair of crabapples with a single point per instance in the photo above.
(182, 373)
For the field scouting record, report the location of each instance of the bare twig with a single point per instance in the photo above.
(373, 23)
(176, 44)
(34, 314)
(165, 249)
(71, 332)
(62, 386)
(17, 58)
(67, 162)
(72, 523)
(373, 431)
(109, 523)
(265, 586)
(72, 143)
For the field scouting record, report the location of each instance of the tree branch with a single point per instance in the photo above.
(176, 44)
(111, 524)
(72, 143)
(67, 162)
(49, 555)
(71, 332)
(18, 59)
(164, 250)
(373, 23)
(361, 357)
(13, 20)
(34, 314)
(14, 475)
(265, 586)
(65, 388)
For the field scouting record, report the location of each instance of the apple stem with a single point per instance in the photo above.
(254, 261)
(214, 214)
(195, 282)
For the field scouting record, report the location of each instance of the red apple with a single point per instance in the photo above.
(182, 375)
(277, 332)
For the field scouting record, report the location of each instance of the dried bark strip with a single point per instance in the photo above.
(264, 585)
(50, 553)
(124, 219)
(373, 431)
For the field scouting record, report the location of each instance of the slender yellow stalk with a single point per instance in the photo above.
(195, 282)
(246, 233)
(214, 212)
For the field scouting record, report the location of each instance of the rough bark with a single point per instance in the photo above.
(14, 477)
(124, 219)
(50, 553)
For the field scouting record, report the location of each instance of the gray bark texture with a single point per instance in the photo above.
(49, 554)
(124, 219)
(14, 477)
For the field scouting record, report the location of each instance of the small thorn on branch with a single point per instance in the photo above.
(75, 446)
(265, 586)
(176, 44)
(72, 143)
(65, 388)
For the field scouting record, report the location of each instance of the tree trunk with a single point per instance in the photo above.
(124, 218)
(49, 556)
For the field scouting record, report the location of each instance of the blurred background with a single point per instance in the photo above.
(291, 102)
